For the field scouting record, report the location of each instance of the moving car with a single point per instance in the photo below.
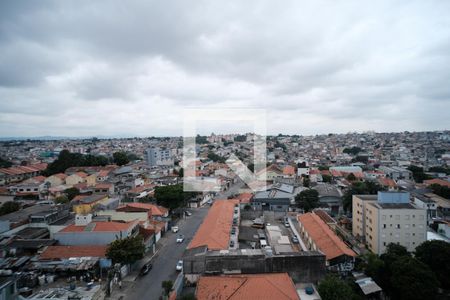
(179, 266)
(294, 239)
(145, 269)
(175, 229)
(180, 238)
(188, 213)
(286, 224)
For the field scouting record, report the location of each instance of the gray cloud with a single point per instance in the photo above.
(114, 68)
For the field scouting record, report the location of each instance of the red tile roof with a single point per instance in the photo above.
(289, 170)
(244, 287)
(215, 229)
(81, 174)
(387, 182)
(58, 252)
(437, 181)
(155, 210)
(245, 197)
(18, 170)
(324, 238)
(101, 227)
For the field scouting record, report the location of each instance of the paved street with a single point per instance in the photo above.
(149, 286)
(164, 262)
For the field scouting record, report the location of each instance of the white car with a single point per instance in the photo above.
(180, 238)
(179, 266)
(175, 229)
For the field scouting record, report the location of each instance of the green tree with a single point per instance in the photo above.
(127, 250)
(4, 163)
(326, 178)
(9, 207)
(66, 160)
(167, 285)
(61, 199)
(440, 190)
(306, 182)
(201, 139)
(120, 158)
(418, 173)
(216, 158)
(172, 196)
(333, 288)
(412, 280)
(436, 255)
(359, 188)
(181, 172)
(307, 199)
(352, 150)
(351, 177)
(71, 193)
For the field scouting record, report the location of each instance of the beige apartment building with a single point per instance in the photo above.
(386, 218)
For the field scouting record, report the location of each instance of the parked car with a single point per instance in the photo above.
(180, 238)
(175, 229)
(231, 244)
(286, 224)
(188, 213)
(233, 230)
(145, 269)
(179, 266)
(294, 239)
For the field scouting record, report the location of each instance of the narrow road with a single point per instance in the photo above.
(149, 286)
(164, 262)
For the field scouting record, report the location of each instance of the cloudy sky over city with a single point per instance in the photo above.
(130, 68)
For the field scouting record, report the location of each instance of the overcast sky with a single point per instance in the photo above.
(129, 68)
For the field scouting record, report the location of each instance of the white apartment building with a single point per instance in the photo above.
(159, 157)
(386, 218)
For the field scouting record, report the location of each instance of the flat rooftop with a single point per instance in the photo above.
(394, 205)
(25, 213)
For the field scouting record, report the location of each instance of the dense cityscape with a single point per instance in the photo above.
(224, 150)
(340, 214)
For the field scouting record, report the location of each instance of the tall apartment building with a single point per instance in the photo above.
(388, 217)
(159, 157)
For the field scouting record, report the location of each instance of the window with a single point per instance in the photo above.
(407, 217)
(398, 226)
(384, 243)
(407, 226)
(383, 217)
(414, 234)
(390, 216)
(384, 225)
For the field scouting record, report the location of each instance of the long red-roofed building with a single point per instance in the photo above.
(214, 232)
(317, 235)
(247, 287)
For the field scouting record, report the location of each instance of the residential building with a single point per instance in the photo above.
(215, 231)
(85, 204)
(247, 286)
(85, 232)
(157, 156)
(396, 173)
(317, 235)
(388, 217)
